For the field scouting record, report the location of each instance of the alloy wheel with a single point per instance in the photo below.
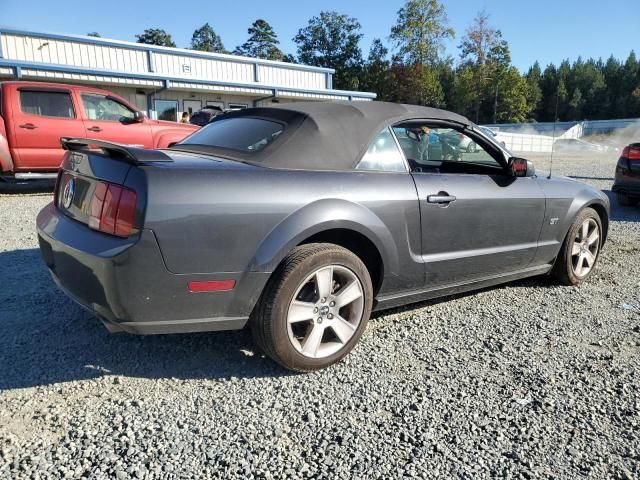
(584, 250)
(325, 311)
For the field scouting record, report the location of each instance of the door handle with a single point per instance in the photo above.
(28, 126)
(94, 129)
(442, 197)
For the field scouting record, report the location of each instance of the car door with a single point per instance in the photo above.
(107, 118)
(40, 117)
(478, 220)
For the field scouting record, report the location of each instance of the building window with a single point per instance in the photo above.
(46, 104)
(167, 110)
(237, 106)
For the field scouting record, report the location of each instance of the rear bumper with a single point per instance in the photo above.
(627, 182)
(126, 284)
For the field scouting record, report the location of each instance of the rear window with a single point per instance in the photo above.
(46, 104)
(245, 134)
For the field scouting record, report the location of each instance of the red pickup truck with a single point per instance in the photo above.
(34, 115)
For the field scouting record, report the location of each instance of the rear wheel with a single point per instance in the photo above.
(315, 307)
(579, 253)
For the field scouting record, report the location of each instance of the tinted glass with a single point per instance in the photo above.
(383, 155)
(47, 104)
(98, 107)
(244, 134)
(167, 110)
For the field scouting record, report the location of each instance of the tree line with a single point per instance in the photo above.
(412, 67)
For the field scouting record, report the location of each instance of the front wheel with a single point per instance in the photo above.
(580, 250)
(314, 308)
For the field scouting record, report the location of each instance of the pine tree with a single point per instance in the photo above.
(205, 39)
(262, 43)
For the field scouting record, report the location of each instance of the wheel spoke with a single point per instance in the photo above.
(312, 342)
(343, 329)
(579, 263)
(593, 238)
(575, 250)
(300, 311)
(324, 281)
(348, 294)
(585, 231)
(590, 258)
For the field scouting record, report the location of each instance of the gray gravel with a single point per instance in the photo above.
(530, 380)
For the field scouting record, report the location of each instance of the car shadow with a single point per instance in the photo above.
(539, 281)
(46, 338)
(619, 213)
(27, 187)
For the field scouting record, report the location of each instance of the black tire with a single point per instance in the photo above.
(471, 148)
(269, 325)
(563, 269)
(624, 200)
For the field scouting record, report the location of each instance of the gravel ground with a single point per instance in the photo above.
(530, 380)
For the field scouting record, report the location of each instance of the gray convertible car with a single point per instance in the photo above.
(299, 220)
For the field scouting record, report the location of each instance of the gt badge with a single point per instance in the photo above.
(553, 221)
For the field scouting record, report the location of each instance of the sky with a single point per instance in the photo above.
(545, 30)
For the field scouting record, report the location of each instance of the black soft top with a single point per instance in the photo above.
(327, 135)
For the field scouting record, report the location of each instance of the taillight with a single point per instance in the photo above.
(632, 153)
(112, 209)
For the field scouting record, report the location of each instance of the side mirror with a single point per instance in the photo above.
(138, 117)
(521, 167)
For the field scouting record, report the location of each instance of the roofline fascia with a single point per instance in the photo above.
(168, 50)
(157, 77)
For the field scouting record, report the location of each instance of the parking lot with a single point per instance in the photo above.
(529, 380)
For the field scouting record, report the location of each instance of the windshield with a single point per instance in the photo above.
(245, 134)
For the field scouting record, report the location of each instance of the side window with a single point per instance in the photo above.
(99, 107)
(442, 149)
(46, 104)
(383, 155)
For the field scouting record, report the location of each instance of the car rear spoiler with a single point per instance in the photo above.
(133, 155)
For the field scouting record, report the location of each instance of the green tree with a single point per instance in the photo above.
(416, 84)
(418, 38)
(332, 40)
(492, 89)
(262, 43)
(631, 87)
(575, 105)
(156, 36)
(94, 34)
(511, 103)
(420, 31)
(534, 90)
(375, 74)
(205, 39)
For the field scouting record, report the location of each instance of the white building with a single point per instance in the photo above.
(163, 81)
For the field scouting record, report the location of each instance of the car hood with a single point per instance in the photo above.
(165, 123)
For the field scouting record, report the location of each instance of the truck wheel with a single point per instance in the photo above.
(580, 250)
(315, 307)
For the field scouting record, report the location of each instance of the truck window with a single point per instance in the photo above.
(46, 104)
(100, 107)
